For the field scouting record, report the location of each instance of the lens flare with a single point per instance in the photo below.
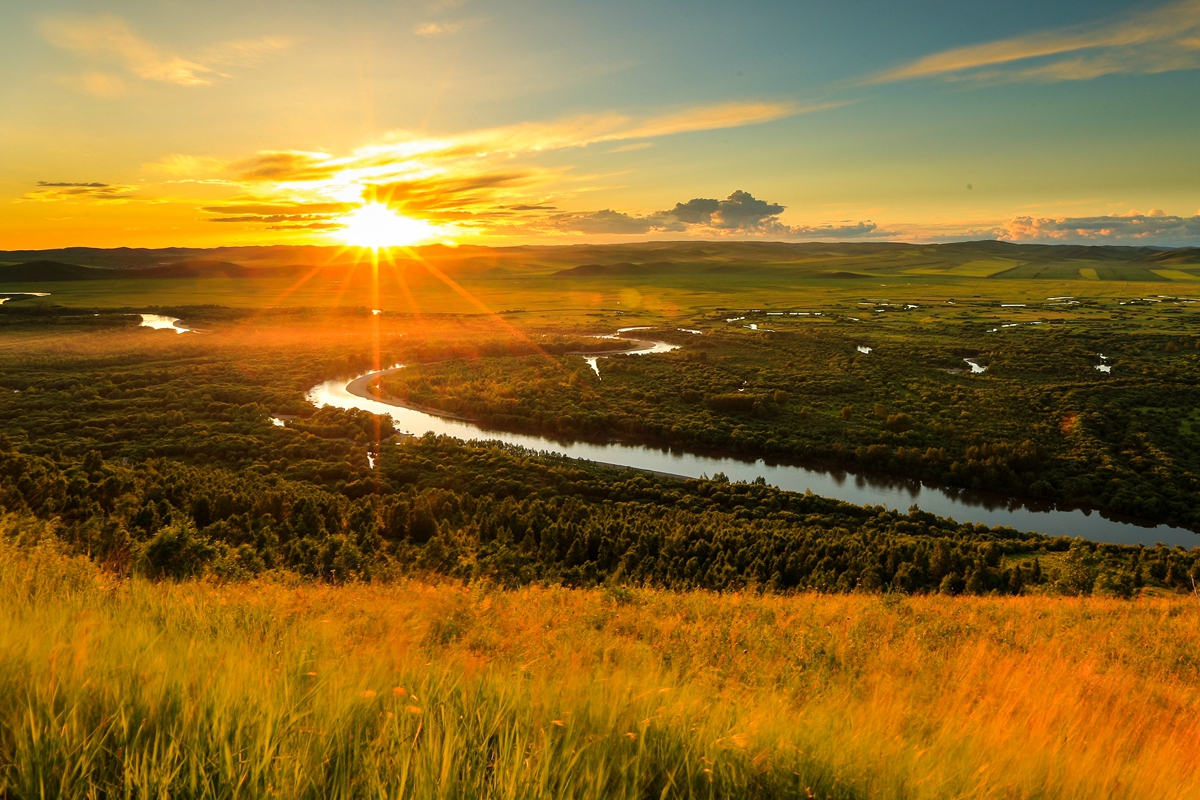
(376, 226)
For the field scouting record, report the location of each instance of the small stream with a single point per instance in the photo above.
(6, 296)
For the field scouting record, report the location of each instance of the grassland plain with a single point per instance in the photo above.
(668, 278)
(276, 688)
(328, 617)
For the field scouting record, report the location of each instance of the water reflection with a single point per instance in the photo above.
(6, 296)
(866, 490)
(161, 323)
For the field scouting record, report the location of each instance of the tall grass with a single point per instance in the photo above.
(294, 690)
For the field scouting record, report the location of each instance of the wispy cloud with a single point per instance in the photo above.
(246, 52)
(110, 39)
(629, 148)
(50, 191)
(473, 180)
(434, 29)
(1160, 40)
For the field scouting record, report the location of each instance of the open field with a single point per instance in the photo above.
(664, 278)
(214, 589)
(422, 690)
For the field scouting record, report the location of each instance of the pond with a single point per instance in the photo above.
(161, 323)
(976, 368)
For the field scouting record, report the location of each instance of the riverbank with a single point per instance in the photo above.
(857, 489)
(368, 388)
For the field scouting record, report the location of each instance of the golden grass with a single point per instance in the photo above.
(425, 690)
(1175, 275)
(981, 268)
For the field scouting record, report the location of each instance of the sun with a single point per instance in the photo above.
(376, 226)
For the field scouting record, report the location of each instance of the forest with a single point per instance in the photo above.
(1042, 422)
(156, 454)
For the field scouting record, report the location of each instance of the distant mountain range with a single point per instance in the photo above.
(641, 259)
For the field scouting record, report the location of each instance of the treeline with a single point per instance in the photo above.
(440, 507)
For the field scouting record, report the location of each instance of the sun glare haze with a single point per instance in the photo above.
(600, 399)
(375, 225)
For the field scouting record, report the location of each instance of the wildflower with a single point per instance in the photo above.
(400, 691)
(368, 694)
(413, 710)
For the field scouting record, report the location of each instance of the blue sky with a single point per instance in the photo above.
(154, 123)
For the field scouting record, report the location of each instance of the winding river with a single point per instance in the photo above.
(857, 489)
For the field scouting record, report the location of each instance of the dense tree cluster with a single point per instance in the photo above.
(1042, 422)
(439, 506)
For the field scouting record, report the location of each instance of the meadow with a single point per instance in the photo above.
(214, 589)
(423, 688)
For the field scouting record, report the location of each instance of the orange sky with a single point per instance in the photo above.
(134, 124)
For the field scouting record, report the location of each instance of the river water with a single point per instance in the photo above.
(857, 489)
(161, 323)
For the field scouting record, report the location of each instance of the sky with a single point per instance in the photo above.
(171, 123)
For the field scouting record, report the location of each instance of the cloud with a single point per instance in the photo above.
(476, 179)
(695, 212)
(605, 221)
(61, 190)
(285, 165)
(1161, 40)
(629, 148)
(186, 168)
(1153, 226)
(247, 52)
(739, 214)
(849, 230)
(313, 216)
(743, 212)
(111, 39)
(433, 29)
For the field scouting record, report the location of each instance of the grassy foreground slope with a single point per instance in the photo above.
(194, 689)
